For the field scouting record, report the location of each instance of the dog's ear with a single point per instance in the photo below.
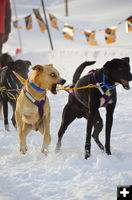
(106, 68)
(28, 62)
(49, 65)
(127, 59)
(38, 68)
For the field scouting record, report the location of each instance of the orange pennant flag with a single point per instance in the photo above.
(129, 24)
(28, 22)
(53, 21)
(68, 32)
(16, 24)
(90, 35)
(110, 35)
(40, 21)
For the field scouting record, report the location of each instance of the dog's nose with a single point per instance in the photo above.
(62, 81)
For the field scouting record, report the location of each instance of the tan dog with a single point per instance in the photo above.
(30, 116)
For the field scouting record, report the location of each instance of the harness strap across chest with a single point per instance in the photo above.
(106, 97)
(37, 103)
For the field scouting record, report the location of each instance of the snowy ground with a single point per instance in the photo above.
(68, 175)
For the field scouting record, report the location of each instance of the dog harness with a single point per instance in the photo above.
(99, 86)
(37, 103)
(103, 83)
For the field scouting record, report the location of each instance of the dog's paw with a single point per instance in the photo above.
(101, 147)
(57, 149)
(87, 154)
(7, 127)
(108, 152)
(44, 150)
(23, 149)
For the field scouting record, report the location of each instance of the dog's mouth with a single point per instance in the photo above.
(125, 84)
(53, 89)
(54, 86)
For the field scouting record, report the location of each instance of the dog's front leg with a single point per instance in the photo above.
(22, 129)
(88, 136)
(5, 112)
(109, 122)
(46, 134)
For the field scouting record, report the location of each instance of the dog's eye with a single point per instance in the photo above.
(53, 75)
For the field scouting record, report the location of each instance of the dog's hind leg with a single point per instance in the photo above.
(13, 104)
(98, 126)
(68, 115)
(92, 113)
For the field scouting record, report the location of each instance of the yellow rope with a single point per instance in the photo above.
(2, 88)
(79, 88)
(11, 96)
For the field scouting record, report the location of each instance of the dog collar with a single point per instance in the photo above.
(36, 87)
(106, 85)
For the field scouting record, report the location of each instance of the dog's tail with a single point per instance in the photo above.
(80, 69)
(21, 79)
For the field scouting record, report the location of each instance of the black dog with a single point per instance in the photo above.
(12, 84)
(86, 102)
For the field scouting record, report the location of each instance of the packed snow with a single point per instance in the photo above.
(68, 175)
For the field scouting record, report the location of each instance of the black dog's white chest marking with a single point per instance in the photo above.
(103, 100)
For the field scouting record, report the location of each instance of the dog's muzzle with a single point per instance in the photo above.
(125, 83)
(61, 82)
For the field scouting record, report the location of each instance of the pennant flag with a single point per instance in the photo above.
(16, 25)
(40, 21)
(90, 35)
(28, 22)
(53, 21)
(68, 32)
(129, 24)
(110, 35)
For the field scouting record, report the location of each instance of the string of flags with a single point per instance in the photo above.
(69, 31)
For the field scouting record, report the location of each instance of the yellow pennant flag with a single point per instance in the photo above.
(39, 20)
(110, 35)
(90, 35)
(28, 22)
(129, 24)
(16, 24)
(53, 21)
(68, 32)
